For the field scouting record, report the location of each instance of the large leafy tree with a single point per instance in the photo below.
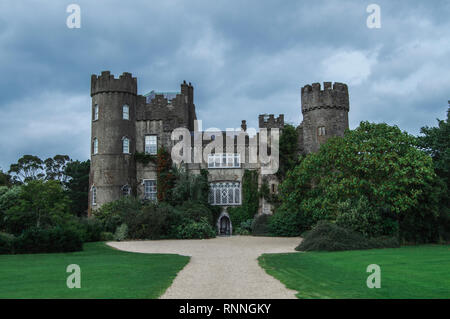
(436, 142)
(77, 186)
(55, 167)
(27, 168)
(375, 164)
(39, 204)
(5, 179)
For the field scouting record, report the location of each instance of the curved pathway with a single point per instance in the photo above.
(222, 267)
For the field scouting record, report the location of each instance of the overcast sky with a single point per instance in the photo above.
(244, 58)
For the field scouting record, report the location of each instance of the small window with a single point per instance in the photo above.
(126, 190)
(151, 144)
(94, 195)
(273, 188)
(321, 131)
(96, 112)
(95, 151)
(150, 189)
(126, 145)
(126, 112)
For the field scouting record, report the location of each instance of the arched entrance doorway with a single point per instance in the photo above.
(224, 226)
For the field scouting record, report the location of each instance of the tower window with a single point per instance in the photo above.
(126, 145)
(94, 195)
(150, 189)
(95, 151)
(126, 190)
(151, 144)
(321, 131)
(95, 112)
(126, 112)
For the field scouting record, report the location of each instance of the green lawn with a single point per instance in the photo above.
(105, 273)
(407, 272)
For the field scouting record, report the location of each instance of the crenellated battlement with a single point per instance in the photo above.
(270, 121)
(106, 82)
(332, 96)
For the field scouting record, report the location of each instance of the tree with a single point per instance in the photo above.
(55, 167)
(27, 168)
(40, 204)
(77, 186)
(5, 179)
(436, 142)
(378, 162)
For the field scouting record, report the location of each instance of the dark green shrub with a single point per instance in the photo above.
(92, 229)
(121, 232)
(113, 214)
(260, 225)
(149, 223)
(246, 225)
(326, 236)
(106, 236)
(196, 230)
(285, 224)
(51, 240)
(6, 243)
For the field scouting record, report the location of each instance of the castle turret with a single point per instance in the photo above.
(325, 113)
(269, 121)
(113, 142)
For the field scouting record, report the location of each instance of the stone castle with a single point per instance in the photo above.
(125, 123)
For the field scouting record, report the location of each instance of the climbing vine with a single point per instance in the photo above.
(145, 158)
(289, 156)
(250, 199)
(165, 176)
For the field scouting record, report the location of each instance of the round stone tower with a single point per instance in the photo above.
(325, 113)
(113, 142)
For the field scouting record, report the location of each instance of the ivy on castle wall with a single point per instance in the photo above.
(250, 199)
(145, 158)
(288, 150)
(264, 192)
(165, 176)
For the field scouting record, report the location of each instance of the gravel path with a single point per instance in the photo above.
(220, 268)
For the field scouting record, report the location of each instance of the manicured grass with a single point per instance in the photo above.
(407, 272)
(105, 273)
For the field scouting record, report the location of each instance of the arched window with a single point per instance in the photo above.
(94, 195)
(95, 112)
(126, 190)
(95, 150)
(126, 145)
(126, 112)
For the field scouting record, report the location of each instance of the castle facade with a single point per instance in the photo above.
(125, 123)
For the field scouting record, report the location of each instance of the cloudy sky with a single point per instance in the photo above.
(244, 58)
